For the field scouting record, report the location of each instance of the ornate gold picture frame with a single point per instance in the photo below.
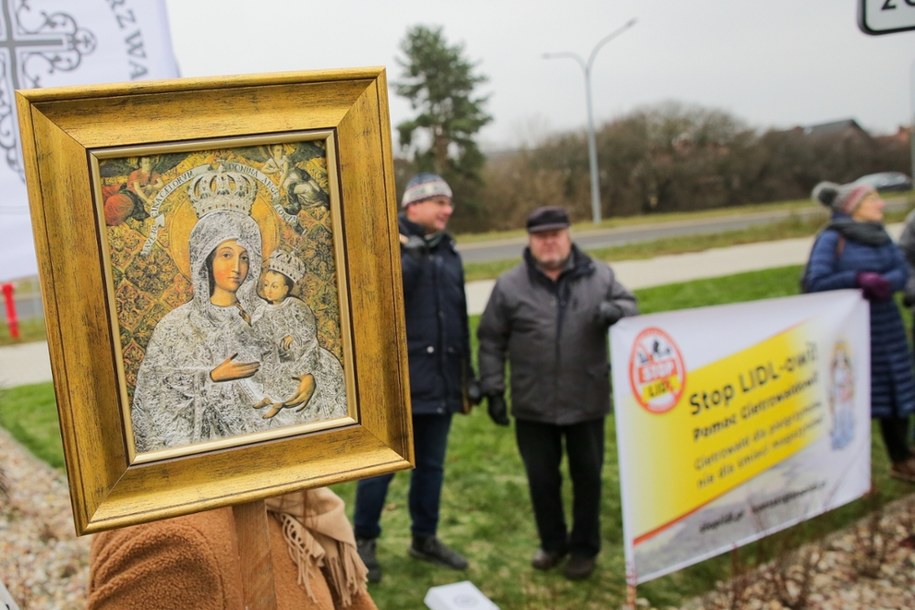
(220, 267)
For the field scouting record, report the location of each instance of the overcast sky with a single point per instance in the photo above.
(771, 63)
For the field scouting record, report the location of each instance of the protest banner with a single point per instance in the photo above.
(737, 421)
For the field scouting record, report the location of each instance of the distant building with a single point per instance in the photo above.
(847, 130)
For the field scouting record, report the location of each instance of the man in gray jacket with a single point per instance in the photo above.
(549, 318)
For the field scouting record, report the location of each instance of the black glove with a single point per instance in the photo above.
(609, 313)
(908, 299)
(474, 392)
(414, 245)
(497, 409)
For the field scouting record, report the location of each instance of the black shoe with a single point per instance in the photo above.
(430, 548)
(579, 568)
(366, 549)
(547, 560)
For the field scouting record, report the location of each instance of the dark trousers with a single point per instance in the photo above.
(430, 440)
(541, 448)
(895, 432)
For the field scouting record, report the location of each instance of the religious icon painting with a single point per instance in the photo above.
(225, 286)
(220, 270)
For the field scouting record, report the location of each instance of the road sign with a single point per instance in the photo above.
(876, 17)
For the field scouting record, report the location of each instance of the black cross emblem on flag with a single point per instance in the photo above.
(33, 44)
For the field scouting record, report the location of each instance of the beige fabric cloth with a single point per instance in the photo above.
(193, 561)
(317, 533)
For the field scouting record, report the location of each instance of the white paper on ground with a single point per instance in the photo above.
(458, 596)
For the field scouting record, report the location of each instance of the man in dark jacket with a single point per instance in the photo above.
(549, 317)
(438, 352)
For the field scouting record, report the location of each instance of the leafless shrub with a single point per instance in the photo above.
(785, 571)
(47, 533)
(791, 574)
(872, 543)
(907, 523)
(20, 590)
(738, 590)
(69, 570)
(4, 487)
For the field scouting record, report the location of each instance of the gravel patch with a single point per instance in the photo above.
(868, 566)
(43, 564)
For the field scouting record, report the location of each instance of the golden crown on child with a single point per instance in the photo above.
(287, 264)
(222, 190)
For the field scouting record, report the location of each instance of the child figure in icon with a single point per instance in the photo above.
(288, 324)
(841, 398)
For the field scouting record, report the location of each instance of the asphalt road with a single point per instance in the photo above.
(506, 249)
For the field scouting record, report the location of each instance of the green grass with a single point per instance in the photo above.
(486, 511)
(29, 412)
(29, 330)
(738, 288)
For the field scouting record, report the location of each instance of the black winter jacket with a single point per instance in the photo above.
(554, 339)
(438, 339)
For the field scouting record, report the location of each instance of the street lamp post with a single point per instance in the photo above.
(912, 124)
(592, 140)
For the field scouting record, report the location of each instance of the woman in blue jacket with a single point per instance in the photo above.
(855, 251)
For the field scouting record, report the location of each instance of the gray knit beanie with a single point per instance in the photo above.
(425, 186)
(841, 198)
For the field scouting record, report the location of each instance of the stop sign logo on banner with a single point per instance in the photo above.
(656, 371)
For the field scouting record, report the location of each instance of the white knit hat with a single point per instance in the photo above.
(425, 186)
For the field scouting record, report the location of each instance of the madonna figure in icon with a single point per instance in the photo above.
(199, 379)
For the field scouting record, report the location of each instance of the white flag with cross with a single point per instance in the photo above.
(57, 43)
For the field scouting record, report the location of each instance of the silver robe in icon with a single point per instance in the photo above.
(176, 402)
(293, 318)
